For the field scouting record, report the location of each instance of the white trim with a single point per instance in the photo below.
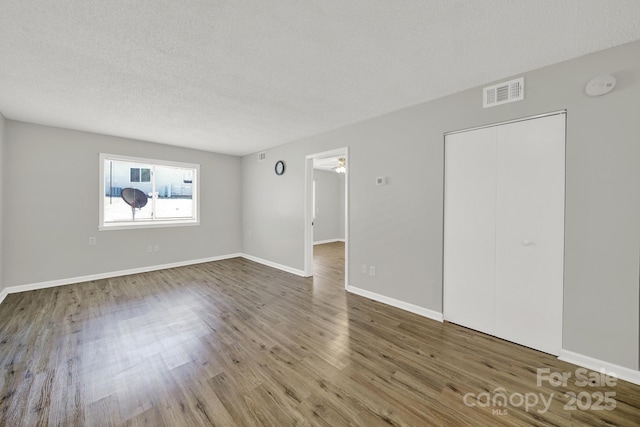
(618, 371)
(107, 275)
(158, 223)
(309, 216)
(431, 314)
(506, 122)
(273, 265)
(149, 161)
(322, 242)
(90, 277)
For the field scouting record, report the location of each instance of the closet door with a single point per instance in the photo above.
(530, 232)
(504, 231)
(469, 229)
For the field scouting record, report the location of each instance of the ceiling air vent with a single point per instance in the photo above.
(262, 156)
(503, 93)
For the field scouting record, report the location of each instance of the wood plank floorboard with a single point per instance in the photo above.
(236, 343)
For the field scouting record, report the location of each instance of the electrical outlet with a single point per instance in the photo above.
(149, 248)
(372, 270)
(156, 248)
(364, 268)
(92, 240)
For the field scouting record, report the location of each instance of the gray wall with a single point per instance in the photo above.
(51, 207)
(329, 220)
(398, 227)
(2, 143)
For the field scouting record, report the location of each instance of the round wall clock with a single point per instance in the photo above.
(280, 167)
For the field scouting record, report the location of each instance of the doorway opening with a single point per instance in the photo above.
(327, 206)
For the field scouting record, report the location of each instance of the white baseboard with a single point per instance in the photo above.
(322, 242)
(90, 277)
(431, 314)
(107, 275)
(618, 371)
(274, 265)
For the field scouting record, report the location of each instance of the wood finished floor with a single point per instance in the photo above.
(235, 343)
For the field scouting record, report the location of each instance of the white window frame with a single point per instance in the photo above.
(154, 222)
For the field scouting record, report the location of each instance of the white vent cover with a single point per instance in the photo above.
(262, 156)
(503, 93)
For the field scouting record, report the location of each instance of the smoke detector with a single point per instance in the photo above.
(600, 85)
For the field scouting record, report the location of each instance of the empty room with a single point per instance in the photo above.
(320, 213)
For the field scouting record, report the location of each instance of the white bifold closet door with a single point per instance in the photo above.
(504, 230)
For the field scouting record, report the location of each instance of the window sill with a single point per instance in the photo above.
(149, 224)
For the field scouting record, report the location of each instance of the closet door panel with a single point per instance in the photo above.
(530, 232)
(469, 228)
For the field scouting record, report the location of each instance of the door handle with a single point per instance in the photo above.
(527, 243)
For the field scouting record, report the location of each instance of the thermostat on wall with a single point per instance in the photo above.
(381, 180)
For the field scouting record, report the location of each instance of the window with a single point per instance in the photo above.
(137, 193)
(140, 175)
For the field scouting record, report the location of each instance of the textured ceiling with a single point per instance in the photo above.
(240, 76)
